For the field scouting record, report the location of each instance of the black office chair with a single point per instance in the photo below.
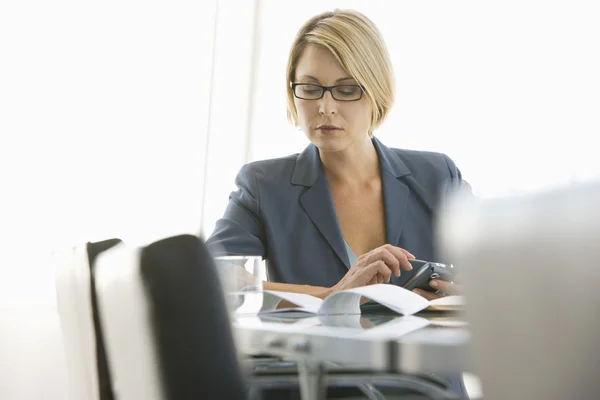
(104, 381)
(165, 322)
(89, 377)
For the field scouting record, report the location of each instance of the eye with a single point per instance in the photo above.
(309, 89)
(348, 90)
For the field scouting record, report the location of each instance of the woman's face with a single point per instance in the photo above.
(329, 124)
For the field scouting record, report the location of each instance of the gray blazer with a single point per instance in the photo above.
(284, 212)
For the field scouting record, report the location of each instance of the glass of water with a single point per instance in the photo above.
(242, 282)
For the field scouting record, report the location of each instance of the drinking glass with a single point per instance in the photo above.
(242, 282)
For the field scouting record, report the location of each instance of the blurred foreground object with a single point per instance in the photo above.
(165, 322)
(530, 267)
(89, 376)
(146, 322)
(241, 279)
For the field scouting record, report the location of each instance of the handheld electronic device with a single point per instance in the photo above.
(428, 271)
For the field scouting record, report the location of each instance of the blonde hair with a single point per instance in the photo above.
(358, 46)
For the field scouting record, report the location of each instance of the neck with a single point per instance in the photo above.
(356, 164)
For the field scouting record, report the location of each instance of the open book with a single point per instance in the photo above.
(347, 301)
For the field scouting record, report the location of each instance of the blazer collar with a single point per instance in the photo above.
(309, 167)
(318, 203)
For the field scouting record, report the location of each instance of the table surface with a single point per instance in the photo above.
(377, 339)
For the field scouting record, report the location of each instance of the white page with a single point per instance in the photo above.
(305, 302)
(274, 327)
(448, 301)
(391, 296)
(395, 328)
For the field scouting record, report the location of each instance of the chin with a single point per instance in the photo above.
(329, 144)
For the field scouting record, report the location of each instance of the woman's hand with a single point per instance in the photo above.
(448, 288)
(376, 266)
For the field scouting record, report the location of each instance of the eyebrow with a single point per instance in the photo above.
(315, 79)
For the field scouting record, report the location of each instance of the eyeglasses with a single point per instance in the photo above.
(309, 91)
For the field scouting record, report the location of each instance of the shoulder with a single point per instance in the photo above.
(428, 166)
(419, 159)
(269, 181)
(270, 170)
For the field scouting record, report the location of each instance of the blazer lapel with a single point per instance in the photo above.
(317, 201)
(395, 192)
(318, 204)
(395, 201)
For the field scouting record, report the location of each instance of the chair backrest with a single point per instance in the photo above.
(165, 323)
(104, 381)
(89, 377)
(531, 270)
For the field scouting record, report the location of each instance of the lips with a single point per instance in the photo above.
(328, 128)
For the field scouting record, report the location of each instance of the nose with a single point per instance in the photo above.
(327, 104)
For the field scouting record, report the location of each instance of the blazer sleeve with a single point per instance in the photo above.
(240, 230)
(456, 183)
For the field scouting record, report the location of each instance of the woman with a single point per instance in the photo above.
(347, 211)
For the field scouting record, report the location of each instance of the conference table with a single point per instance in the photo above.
(377, 346)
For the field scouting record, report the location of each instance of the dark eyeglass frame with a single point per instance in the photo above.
(325, 89)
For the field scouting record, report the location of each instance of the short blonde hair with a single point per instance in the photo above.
(357, 44)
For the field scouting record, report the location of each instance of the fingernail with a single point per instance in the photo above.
(434, 283)
(410, 255)
(417, 291)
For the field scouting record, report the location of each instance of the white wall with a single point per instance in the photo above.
(105, 113)
(103, 121)
(508, 89)
(231, 108)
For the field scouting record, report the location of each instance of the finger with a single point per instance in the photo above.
(379, 268)
(408, 254)
(402, 256)
(370, 275)
(426, 294)
(382, 254)
(446, 287)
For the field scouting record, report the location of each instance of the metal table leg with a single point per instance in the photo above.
(312, 378)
